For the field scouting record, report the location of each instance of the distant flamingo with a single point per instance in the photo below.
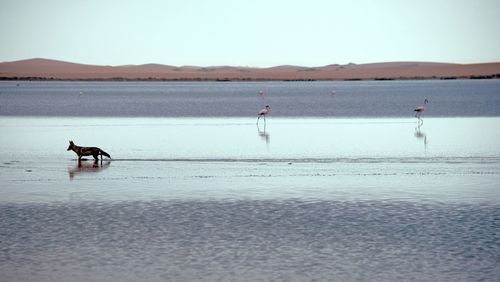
(262, 113)
(333, 93)
(261, 94)
(420, 109)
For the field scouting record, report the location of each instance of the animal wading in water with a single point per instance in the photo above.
(419, 110)
(87, 151)
(262, 113)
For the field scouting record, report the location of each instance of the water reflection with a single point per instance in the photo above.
(85, 166)
(420, 135)
(264, 136)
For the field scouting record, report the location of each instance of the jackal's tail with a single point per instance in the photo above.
(105, 154)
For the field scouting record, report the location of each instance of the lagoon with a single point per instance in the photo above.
(197, 196)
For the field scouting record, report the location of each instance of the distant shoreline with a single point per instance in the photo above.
(47, 70)
(154, 79)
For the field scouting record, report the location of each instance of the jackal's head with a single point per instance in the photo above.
(71, 145)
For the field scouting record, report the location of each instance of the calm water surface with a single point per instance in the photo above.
(330, 189)
(463, 98)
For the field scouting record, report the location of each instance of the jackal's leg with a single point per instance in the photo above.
(96, 156)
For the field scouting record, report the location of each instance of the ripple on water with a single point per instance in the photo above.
(248, 240)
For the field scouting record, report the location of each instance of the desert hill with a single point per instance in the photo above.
(39, 68)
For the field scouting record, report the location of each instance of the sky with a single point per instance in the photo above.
(257, 33)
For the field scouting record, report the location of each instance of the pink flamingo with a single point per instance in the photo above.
(261, 94)
(420, 109)
(262, 113)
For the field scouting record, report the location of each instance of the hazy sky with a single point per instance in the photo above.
(250, 32)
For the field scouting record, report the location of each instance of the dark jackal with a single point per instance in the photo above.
(87, 151)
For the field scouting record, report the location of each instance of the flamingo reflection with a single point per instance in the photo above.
(264, 136)
(420, 135)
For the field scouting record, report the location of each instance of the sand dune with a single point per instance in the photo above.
(51, 69)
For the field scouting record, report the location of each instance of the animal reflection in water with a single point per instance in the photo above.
(420, 135)
(85, 166)
(82, 167)
(264, 136)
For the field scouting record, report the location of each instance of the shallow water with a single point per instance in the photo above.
(444, 159)
(220, 199)
(182, 199)
(241, 138)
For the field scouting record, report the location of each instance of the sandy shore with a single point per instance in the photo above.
(50, 69)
